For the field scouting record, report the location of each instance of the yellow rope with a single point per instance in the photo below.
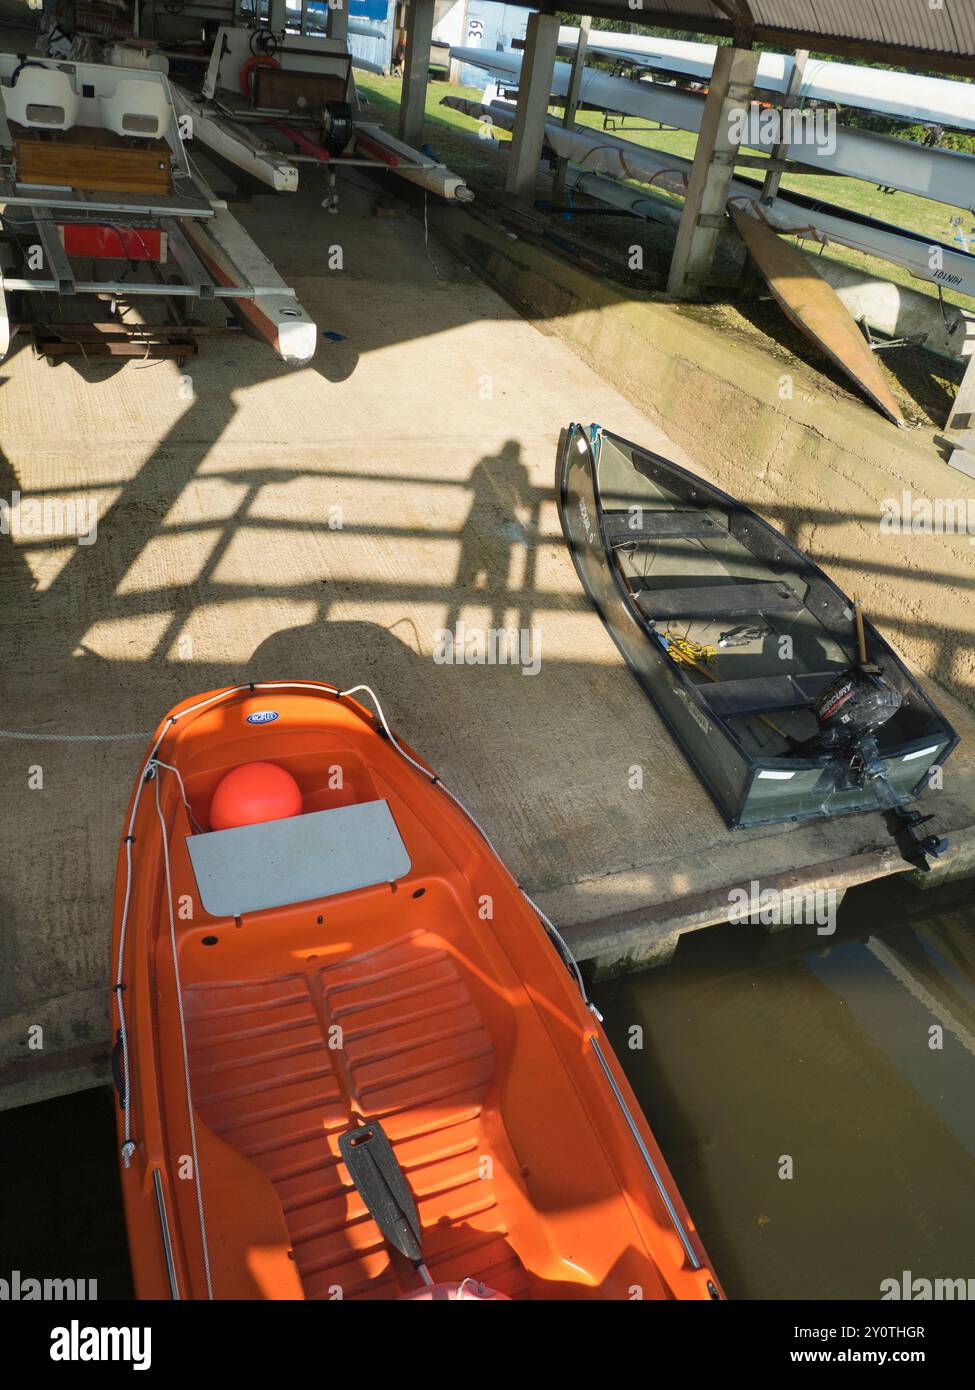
(687, 652)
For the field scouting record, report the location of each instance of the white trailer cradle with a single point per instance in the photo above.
(98, 198)
(271, 102)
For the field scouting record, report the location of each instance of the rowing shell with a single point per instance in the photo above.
(815, 308)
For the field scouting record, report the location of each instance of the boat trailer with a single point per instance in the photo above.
(95, 178)
(270, 103)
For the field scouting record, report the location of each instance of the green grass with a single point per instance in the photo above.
(456, 140)
(904, 209)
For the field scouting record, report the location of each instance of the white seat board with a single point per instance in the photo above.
(297, 859)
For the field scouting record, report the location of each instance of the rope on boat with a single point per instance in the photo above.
(128, 1143)
(182, 791)
(685, 651)
(24, 736)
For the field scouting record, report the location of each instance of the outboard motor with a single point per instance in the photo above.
(851, 708)
(849, 712)
(337, 126)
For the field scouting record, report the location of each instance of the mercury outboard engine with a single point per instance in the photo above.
(849, 712)
(337, 126)
(852, 708)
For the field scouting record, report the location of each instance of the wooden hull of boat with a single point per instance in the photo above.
(435, 1003)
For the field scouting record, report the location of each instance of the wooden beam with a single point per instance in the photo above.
(740, 14)
(416, 71)
(959, 432)
(914, 59)
(534, 91)
(961, 421)
(338, 19)
(713, 169)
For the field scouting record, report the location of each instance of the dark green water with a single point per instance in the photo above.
(60, 1199)
(755, 1046)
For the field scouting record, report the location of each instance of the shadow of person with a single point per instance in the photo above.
(483, 726)
(492, 532)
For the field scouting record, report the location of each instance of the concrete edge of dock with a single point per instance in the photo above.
(647, 936)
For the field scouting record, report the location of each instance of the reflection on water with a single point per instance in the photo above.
(761, 1047)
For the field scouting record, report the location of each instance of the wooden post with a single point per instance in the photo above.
(338, 19)
(534, 91)
(714, 167)
(572, 101)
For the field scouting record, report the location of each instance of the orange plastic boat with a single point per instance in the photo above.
(365, 970)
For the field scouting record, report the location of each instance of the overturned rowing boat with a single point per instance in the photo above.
(809, 301)
(749, 652)
(353, 1060)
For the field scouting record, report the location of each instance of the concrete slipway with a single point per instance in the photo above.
(432, 425)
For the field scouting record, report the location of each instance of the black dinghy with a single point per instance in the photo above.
(785, 701)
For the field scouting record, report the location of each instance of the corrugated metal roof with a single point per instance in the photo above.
(900, 23)
(938, 33)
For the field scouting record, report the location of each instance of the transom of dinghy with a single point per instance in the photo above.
(415, 1051)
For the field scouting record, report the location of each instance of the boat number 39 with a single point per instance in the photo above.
(262, 716)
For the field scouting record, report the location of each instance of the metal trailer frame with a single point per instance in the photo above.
(224, 121)
(215, 257)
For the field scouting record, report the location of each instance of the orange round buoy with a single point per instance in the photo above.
(252, 793)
